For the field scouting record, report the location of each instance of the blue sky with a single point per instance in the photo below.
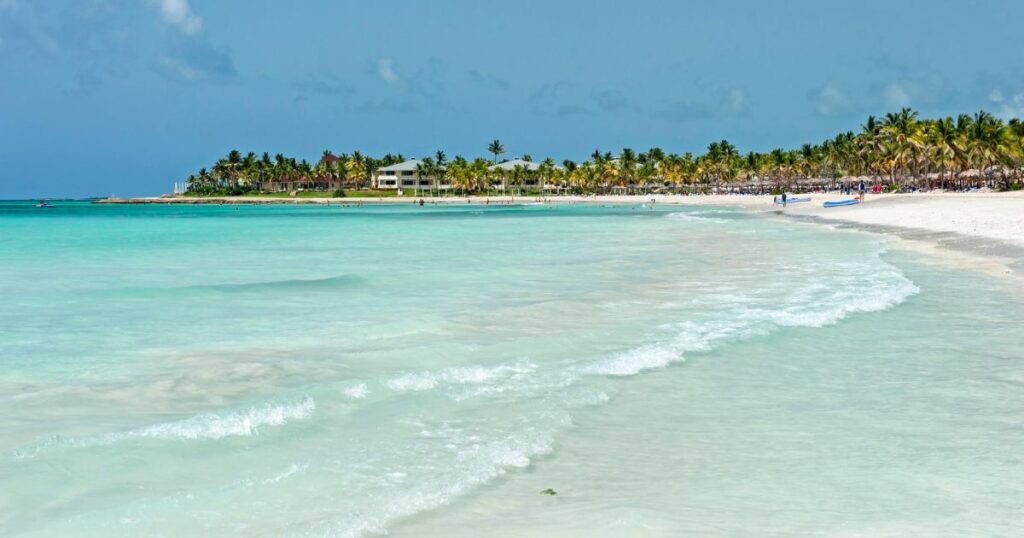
(101, 97)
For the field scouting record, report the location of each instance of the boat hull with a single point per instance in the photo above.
(839, 203)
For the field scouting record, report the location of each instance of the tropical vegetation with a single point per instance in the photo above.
(899, 151)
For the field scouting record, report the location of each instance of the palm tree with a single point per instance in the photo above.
(518, 176)
(672, 169)
(480, 171)
(720, 160)
(626, 172)
(439, 170)
(986, 143)
(646, 172)
(545, 172)
(458, 174)
(496, 148)
(945, 145)
(898, 134)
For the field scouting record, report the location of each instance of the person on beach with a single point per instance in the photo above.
(863, 190)
(783, 199)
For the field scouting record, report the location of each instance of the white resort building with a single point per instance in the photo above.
(406, 176)
(409, 177)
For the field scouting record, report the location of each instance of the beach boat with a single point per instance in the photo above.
(44, 204)
(793, 201)
(837, 203)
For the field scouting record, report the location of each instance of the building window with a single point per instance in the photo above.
(389, 172)
(408, 182)
(407, 173)
(424, 182)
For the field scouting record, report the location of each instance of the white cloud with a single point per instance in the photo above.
(736, 101)
(1012, 107)
(189, 55)
(179, 13)
(179, 68)
(831, 100)
(896, 96)
(386, 72)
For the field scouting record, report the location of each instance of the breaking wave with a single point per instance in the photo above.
(695, 217)
(461, 375)
(216, 426)
(816, 305)
(204, 426)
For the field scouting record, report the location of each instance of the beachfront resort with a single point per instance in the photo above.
(897, 152)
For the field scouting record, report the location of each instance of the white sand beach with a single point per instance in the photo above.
(977, 231)
(998, 216)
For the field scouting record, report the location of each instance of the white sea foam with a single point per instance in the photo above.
(210, 426)
(219, 425)
(415, 381)
(816, 304)
(636, 360)
(356, 392)
(459, 375)
(476, 458)
(284, 475)
(695, 217)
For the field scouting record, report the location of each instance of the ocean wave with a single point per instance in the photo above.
(216, 426)
(204, 426)
(357, 391)
(476, 459)
(459, 375)
(276, 478)
(287, 285)
(636, 360)
(712, 212)
(695, 217)
(814, 305)
(287, 473)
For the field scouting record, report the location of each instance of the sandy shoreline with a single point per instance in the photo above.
(996, 216)
(973, 226)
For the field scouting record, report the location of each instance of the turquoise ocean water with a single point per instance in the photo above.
(343, 371)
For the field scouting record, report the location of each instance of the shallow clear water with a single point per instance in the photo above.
(338, 371)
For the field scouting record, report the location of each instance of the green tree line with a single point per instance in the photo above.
(898, 149)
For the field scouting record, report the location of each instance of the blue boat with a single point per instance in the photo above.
(837, 203)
